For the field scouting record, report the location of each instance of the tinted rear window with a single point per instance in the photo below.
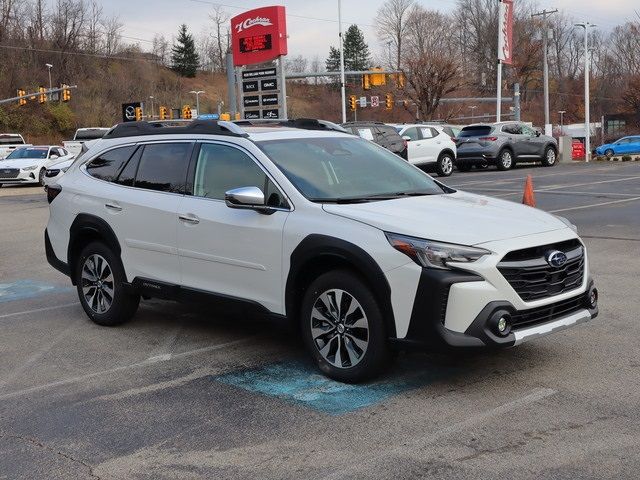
(163, 167)
(478, 131)
(11, 140)
(107, 166)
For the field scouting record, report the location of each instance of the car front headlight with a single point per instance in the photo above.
(430, 254)
(568, 223)
(29, 168)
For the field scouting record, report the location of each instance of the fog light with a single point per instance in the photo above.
(500, 323)
(593, 298)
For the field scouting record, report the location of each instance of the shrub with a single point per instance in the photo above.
(600, 158)
(626, 158)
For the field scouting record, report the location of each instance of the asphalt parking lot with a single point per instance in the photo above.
(183, 392)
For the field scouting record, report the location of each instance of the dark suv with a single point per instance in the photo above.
(502, 144)
(380, 133)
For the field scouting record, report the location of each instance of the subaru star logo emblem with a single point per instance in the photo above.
(556, 258)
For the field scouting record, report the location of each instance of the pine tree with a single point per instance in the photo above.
(184, 58)
(356, 52)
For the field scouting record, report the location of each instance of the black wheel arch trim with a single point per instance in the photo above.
(87, 226)
(317, 248)
(53, 260)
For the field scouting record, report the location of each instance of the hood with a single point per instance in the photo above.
(21, 162)
(460, 217)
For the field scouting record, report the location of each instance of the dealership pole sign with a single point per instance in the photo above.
(505, 33)
(259, 43)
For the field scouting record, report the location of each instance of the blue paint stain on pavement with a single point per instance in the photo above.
(302, 384)
(23, 289)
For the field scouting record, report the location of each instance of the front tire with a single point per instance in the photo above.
(505, 160)
(41, 177)
(550, 157)
(444, 166)
(100, 280)
(608, 153)
(343, 327)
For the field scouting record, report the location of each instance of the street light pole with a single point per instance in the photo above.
(587, 58)
(49, 67)
(197, 94)
(562, 112)
(343, 92)
(473, 110)
(152, 114)
(545, 64)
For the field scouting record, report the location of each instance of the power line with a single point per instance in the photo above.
(83, 54)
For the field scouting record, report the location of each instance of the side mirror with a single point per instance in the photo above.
(406, 137)
(53, 157)
(245, 197)
(537, 133)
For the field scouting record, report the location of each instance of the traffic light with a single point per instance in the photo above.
(42, 96)
(66, 93)
(352, 103)
(366, 82)
(138, 114)
(186, 112)
(388, 101)
(23, 99)
(164, 113)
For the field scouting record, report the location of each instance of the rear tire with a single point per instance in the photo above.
(343, 327)
(444, 165)
(100, 280)
(550, 157)
(505, 160)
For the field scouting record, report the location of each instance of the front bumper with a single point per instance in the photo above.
(427, 328)
(23, 176)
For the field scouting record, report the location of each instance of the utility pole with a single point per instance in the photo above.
(49, 67)
(545, 64)
(343, 92)
(587, 60)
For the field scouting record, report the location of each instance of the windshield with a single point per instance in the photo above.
(343, 169)
(28, 153)
(90, 134)
(11, 140)
(475, 131)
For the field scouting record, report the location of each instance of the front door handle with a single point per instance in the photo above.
(189, 218)
(113, 206)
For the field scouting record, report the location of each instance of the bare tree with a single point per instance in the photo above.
(160, 49)
(112, 35)
(392, 20)
(220, 35)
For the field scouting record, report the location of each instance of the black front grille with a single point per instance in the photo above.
(535, 316)
(528, 272)
(9, 172)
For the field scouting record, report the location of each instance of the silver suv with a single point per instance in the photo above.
(502, 144)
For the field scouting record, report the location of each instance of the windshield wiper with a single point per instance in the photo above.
(370, 198)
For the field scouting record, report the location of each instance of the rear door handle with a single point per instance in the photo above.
(189, 218)
(113, 206)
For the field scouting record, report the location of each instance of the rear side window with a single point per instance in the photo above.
(163, 167)
(365, 133)
(107, 165)
(388, 132)
(475, 131)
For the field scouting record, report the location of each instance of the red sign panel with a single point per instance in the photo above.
(259, 35)
(505, 38)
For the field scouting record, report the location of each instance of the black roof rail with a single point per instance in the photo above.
(302, 123)
(364, 122)
(208, 127)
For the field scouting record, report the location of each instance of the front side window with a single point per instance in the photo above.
(337, 169)
(163, 167)
(221, 168)
(108, 164)
(412, 133)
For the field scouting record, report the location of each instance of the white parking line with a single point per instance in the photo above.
(418, 447)
(144, 363)
(586, 194)
(595, 205)
(37, 310)
(498, 180)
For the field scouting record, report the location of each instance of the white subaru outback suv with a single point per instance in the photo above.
(363, 250)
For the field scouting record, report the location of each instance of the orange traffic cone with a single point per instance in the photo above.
(528, 198)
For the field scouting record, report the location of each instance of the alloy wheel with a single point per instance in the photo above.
(506, 159)
(97, 283)
(339, 328)
(446, 165)
(551, 156)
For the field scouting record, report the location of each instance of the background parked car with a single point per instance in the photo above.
(449, 129)
(624, 146)
(29, 164)
(83, 135)
(57, 169)
(502, 144)
(429, 146)
(380, 133)
(9, 142)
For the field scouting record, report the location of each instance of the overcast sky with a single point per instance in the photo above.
(312, 36)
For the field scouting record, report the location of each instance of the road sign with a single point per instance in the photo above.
(129, 111)
(363, 102)
(262, 73)
(375, 101)
(208, 116)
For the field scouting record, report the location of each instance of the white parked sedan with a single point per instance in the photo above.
(29, 164)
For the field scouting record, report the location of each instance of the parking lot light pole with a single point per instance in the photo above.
(343, 92)
(49, 67)
(473, 110)
(562, 112)
(197, 94)
(587, 59)
(151, 98)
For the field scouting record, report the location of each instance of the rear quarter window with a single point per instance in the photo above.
(108, 164)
